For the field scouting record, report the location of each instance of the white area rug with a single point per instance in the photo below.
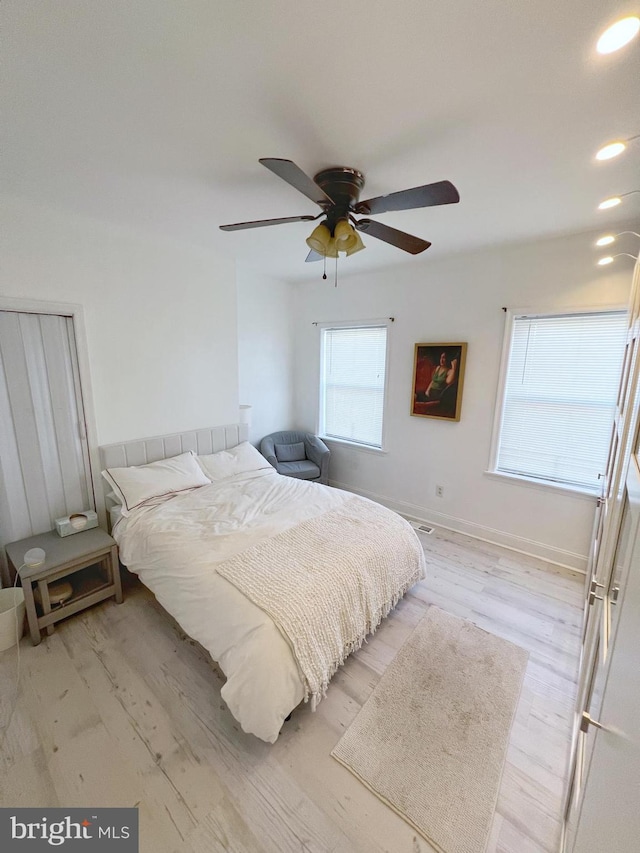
(432, 737)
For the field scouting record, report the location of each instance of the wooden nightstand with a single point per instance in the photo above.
(68, 555)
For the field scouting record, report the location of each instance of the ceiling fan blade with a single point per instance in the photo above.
(292, 174)
(312, 256)
(406, 242)
(429, 195)
(260, 223)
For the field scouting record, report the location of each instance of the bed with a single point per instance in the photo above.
(278, 579)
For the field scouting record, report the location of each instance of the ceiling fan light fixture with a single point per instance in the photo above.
(357, 246)
(320, 239)
(346, 237)
(603, 262)
(343, 232)
(605, 240)
(618, 34)
(332, 249)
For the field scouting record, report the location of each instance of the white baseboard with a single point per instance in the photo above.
(558, 556)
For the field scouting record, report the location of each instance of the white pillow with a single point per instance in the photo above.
(135, 485)
(112, 499)
(240, 459)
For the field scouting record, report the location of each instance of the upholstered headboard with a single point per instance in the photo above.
(201, 441)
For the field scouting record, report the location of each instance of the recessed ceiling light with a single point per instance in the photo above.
(610, 150)
(609, 202)
(609, 259)
(618, 34)
(606, 240)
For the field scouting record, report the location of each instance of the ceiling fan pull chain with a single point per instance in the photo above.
(335, 282)
(324, 267)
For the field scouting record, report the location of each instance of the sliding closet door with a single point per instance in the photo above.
(609, 818)
(44, 460)
(611, 570)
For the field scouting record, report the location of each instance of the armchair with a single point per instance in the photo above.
(297, 454)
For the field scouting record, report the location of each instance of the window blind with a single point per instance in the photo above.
(352, 383)
(560, 393)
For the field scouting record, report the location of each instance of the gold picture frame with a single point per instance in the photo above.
(438, 376)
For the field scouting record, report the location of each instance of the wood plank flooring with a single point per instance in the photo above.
(119, 708)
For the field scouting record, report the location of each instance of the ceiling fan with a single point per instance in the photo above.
(337, 192)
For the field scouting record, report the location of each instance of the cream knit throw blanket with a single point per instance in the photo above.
(329, 581)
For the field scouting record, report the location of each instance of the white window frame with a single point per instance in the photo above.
(354, 324)
(532, 482)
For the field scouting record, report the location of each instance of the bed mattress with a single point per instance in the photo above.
(176, 546)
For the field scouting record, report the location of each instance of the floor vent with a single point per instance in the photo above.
(422, 528)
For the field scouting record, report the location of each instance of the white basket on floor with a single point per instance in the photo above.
(11, 606)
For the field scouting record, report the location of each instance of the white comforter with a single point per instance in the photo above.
(175, 546)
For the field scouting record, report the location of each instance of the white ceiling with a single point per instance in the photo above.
(153, 113)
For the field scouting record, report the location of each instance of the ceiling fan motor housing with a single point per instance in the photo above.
(343, 185)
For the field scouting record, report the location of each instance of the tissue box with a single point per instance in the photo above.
(76, 523)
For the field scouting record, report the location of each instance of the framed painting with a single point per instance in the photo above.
(438, 374)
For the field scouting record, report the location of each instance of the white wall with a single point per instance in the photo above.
(160, 317)
(458, 298)
(265, 351)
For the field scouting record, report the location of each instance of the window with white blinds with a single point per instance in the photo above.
(352, 383)
(559, 397)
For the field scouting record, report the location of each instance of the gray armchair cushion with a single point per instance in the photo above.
(304, 470)
(314, 464)
(291, 452)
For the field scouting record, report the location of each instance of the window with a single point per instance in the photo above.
(352, 383)
(559, 394)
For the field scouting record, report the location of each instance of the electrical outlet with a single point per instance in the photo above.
(439, 491)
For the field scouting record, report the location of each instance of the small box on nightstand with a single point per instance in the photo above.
(76, 522)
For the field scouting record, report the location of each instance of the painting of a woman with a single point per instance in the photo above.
(437, 380)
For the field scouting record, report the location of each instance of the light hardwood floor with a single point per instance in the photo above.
(119, 708)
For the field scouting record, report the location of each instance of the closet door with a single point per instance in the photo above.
(627, 416)
(44, 459)
(600, 525)
(595, 703)
(614, 563)
(608, 818)
(609, 512)
(589, 702)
